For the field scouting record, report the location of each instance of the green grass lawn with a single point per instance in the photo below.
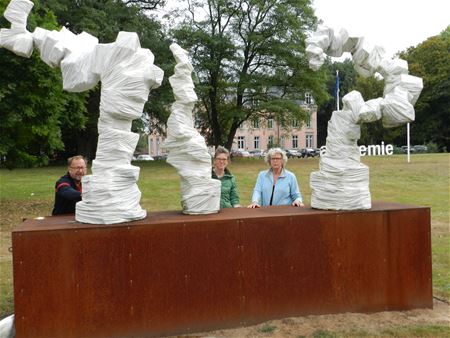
(26, 193)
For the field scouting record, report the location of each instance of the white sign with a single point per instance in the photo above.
(376, 150)
(370, 150)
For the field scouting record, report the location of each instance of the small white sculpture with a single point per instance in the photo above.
(127, 73)
(200, 194)
(343, 182)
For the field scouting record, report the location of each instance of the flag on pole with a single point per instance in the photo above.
(336, 89)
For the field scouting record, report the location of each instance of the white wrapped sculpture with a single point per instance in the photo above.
(187, 148)
(127, 73)
(343, 182)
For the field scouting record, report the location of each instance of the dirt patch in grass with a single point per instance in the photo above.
(415, 323)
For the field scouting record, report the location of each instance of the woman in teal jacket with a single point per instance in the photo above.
(229, 196)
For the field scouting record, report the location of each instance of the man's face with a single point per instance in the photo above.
(77, 169)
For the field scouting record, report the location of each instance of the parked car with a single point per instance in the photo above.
(405, 149)
(420, 149)
(293, 153)
(240, 153)
(308, 152)
(316, 152)
(144, 158)
(256, 153)
(162, 157)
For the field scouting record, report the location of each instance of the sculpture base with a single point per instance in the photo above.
(171, 273)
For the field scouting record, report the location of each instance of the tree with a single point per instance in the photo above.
(347, 79)
(33, 107)
(250, 60)
(430, 60)
(104, 20)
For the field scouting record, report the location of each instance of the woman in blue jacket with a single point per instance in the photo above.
(276, 186)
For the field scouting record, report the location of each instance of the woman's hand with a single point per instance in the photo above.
(297, 203)
(254, 205)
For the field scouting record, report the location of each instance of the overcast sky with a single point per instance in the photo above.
(392, 24)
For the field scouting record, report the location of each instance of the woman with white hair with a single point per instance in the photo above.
(276, 186)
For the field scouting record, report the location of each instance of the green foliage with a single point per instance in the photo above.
(323, 334)
(250, 59)
(430, 60)
(347, 76)
(432, 147)
(33, 106)
(432, 331)
(267, 328)
(375, 133)
(38, 119)
(104, 19)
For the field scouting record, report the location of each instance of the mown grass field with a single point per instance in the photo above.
(27, 193)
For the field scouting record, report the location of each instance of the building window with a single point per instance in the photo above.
(270, 144)
(256, 142)
(308, 98)
(241, 126)
(241, 142)
(270, 123)
(255, 123)
(294, 123)
(309, 141)
(282, 140)
(294, 141)
(308, 120)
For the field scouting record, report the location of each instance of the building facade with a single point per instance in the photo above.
(264, 132)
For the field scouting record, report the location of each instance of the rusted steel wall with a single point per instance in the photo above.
(173, 273)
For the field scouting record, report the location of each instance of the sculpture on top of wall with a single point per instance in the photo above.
(200, 194)
(127, 73)
(342, 183)
(110, 194)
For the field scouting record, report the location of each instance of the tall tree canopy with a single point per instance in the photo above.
(250, 59)
(33, 107)
(431, 61)
(347, 80)
(104, 19)
(38, 119)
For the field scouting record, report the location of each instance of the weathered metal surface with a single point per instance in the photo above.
(173, 273)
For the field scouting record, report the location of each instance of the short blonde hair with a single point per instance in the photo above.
(274, 151)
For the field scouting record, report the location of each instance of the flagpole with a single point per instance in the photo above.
(407, 142)
(337, 89)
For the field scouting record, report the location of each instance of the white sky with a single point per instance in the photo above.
(392, 24)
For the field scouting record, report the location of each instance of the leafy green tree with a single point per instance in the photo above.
(430, 60)
(250, 60)
(104, 19)
(347, 80)
(33, 107)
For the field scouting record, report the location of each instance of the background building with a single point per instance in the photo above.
(264, 132)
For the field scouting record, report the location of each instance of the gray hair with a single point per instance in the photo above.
(274, 151)
(77, 157)
(222, 150)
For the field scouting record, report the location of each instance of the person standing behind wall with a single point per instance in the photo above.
(229, 195)
(276, 186)
(68, 187)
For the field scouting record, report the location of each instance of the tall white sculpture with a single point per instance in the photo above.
(343, 182)
(200, 194)
(127, 73)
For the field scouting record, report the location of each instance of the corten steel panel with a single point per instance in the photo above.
(173, 273)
